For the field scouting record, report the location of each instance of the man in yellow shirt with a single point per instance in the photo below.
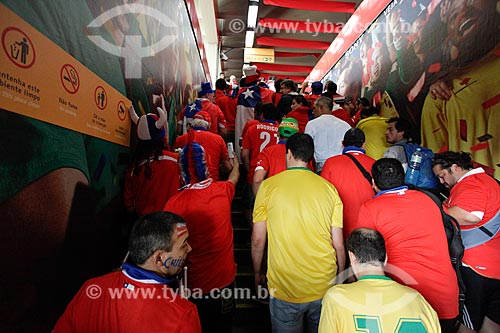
(374, 127)
(302, 212)
(374, 303)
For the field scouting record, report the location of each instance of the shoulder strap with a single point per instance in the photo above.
(482, 234)
(403, 144)
(433, 197)
(360, 167)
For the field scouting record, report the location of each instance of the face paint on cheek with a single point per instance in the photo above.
(173, 262)
(181, 230)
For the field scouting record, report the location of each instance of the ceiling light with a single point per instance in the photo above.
(249, 37)
(253, 10)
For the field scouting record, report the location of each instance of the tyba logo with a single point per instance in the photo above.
(132, 49)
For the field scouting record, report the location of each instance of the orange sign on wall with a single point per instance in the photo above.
(40, 80)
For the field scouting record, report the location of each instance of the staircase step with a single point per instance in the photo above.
(252, 317)
(245, 280)
(238, 219)
(241, 236)
(237, 203)
(243, 256)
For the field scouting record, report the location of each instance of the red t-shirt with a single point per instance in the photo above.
(312, 98)
(153, 309)
(206, 207)
(258, 137)
(217, 118)
(344, 115)
(273, 160)
(276, 97)
(301, 114)
(354, 189)
(228, 108)
(248, 124)
(215, 149)
(416, 243)
(479, 192)
(149, 195)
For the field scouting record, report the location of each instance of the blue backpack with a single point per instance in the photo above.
(427, 179)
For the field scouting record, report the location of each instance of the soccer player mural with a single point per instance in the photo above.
(61, 190)
(432, 62)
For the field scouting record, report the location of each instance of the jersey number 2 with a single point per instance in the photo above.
(266, 137)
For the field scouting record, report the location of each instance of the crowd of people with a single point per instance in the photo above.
(324, 191)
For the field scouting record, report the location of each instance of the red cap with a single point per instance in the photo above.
(203, 115)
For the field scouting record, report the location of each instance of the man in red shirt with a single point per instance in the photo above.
(215, 147)
(272, 160)
(341, 113)
(417, 248)
(205, 204)
(353, 186)
(249, 96)
(204, 102)
(474, 202)
(130, 300)
(227, 106)
(259, 136)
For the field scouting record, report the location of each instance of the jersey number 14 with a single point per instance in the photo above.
(371, 324)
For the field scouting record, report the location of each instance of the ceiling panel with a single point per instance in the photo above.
(232, 15)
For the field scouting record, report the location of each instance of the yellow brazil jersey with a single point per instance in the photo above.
(374, 128)
(376, 304)
(470, 120)
(300, 208)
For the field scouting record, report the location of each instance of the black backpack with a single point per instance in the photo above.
(455, 245)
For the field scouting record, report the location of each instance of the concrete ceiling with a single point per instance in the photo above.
(233, 40)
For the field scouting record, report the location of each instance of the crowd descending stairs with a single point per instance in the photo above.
(250, 315)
